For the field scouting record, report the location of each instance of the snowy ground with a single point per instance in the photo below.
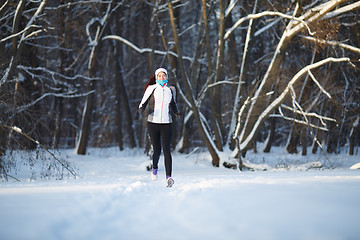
(114, 198)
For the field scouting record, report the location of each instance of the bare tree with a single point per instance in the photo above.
(246, 132)
(207, 140)
(94, 42)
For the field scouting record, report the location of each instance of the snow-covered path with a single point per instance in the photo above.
(114, 198)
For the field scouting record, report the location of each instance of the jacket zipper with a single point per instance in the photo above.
(162, 106)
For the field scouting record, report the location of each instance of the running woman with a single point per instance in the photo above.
(161, 101)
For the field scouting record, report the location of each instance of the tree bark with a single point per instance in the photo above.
(353, 134)
(91, 87)
(211, 148)
(271, 135)
(123, 93)
(215, 93)
(87, 116)
(236, 107)
(293, 140)
(304, 141)
(63, 24)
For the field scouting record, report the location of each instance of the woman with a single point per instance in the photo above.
(161, 101)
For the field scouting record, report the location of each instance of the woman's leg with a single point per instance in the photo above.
(154, 132)
(166, 133)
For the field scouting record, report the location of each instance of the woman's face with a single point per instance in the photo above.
(161, 76)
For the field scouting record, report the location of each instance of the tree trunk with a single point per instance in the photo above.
(271, 135)
(89, 103)
(58, 117)
(3, 133)
(304, 141)
(121, 87)
(184, 141)
(63, 24)
(87, 115)
(232, 51)
(152, 30)
(353, 133)
(293, 140)
(332, 135)
(206, 138)
(215, 93)
(236, 106)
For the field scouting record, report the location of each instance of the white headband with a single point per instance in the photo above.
(160, 70)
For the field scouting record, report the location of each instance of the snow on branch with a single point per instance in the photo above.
(53, 73)
(333, 43)
(34, 17)
(222, 82)
(24, 36)
(60, 161)
(262, 14)
(21, 32)
(2, 7)
(61, 95)
(341, 10)
(183, 96)
(318, 84)
(321, 118)
(141, 50)
(16, 129)
(282, 115)
(242, 109)
(270, 25)
(314, 14)
(69, 4)
(230, 7)
(92, 42)
(274, 104)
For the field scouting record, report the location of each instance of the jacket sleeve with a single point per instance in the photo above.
(145, 99)
(173, 105)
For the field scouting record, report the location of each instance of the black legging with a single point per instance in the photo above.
(161, 134)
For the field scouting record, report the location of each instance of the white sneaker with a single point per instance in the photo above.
(170, 182)
(154, 174)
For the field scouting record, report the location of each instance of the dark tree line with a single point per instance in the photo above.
(277, 72)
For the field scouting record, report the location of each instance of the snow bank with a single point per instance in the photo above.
(115, 198)
(355, 166)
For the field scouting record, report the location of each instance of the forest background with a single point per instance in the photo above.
(283, 73)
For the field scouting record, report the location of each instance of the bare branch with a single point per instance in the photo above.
(221, 82)
(262, 14)
(321, 118)
(270, 25)
(341, 10)
(19, 33)
(2, 7)
(230, 7)
(281, 115)
(63, 95)
(313, 15)
(333, 43)
(244, 144)
(142, 50)
(18, 130)
(318, 84)
(34, 17)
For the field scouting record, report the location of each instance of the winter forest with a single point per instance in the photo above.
(276, 73)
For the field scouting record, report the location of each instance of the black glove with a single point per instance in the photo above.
(178, 115)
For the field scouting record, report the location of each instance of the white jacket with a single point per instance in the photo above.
(161, 102)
